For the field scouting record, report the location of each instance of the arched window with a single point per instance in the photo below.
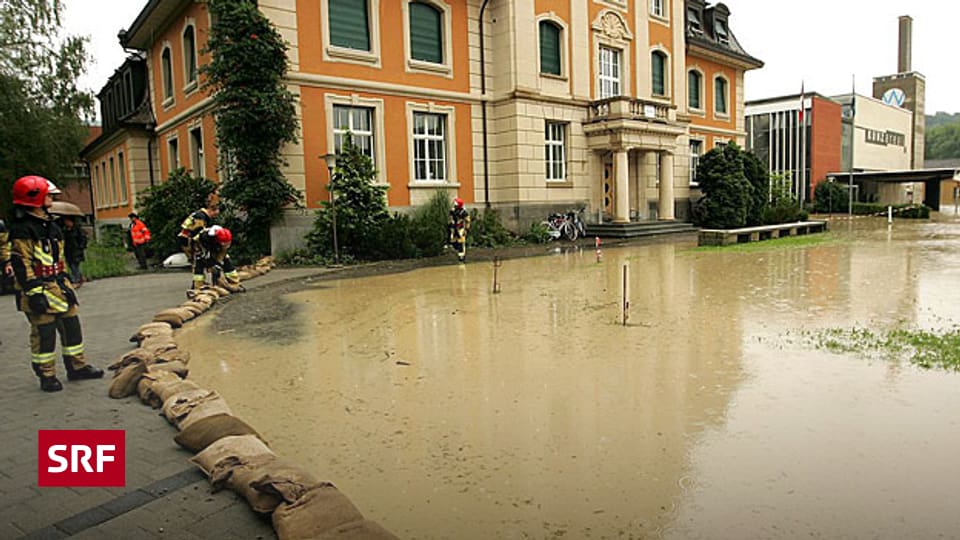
(189, 55)
(550, 48)
(720, 89)
(426, 33)
(694, 89)
(658, 69)
(166, 68)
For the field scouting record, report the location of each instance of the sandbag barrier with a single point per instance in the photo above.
(228, 450)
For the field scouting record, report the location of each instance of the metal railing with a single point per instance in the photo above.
(629, 108)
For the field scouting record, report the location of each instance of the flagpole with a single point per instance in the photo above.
(803, 145)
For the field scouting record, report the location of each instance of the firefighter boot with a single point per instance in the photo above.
(47, 373)
(78, 370)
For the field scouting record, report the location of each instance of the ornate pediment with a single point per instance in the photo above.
(611, 24)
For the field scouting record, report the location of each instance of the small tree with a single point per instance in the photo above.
(783, 206)
(830, 197)
(360, 207)
(163, 207)
(758, 176)
(255, 117)
(727, 194)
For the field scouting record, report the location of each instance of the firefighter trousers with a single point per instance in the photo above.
(43, 341)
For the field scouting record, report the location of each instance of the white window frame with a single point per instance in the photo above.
(428, 158)
(379, 137)
(354, 130)
(419, 66)
(611, 30)
(564, 44)
(726, 97)
(122, 169)
(450, 146)
(332, 53)
(197, 159)
(98, 186)
(610, 74)
(173, 154)
(189, 84)
(114, 191)
(167, 101)
(701, 110)
(695, 159)
(555, 150)
(658, 9)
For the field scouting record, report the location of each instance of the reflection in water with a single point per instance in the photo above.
(445, 411)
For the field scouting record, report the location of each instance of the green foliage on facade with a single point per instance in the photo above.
(163, 208)
(255, 118)
(44, 114)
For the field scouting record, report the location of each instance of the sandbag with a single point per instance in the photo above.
(138, 355)
(176, 366)
(241, 446)
(186, 408)
(157, 345)
(125, 380)
(150, 330)
(320, 510)
(221, 291)
(172, 318)
(237, 474)
(172, 355)
(206, 431)
(151, 380)
(193, 308)
(167, 389)
(286, 481)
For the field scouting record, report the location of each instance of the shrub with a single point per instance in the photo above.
(538, 233)
(486, 230)
(428, 227)
(163, 208)
(830, 197)
(727, 194)
(782, 206)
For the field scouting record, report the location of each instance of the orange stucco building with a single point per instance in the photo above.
(526, 107)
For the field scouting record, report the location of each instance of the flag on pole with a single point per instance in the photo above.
(801, 102)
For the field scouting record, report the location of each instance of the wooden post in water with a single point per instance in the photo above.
(626, 295)
(497, 263)
(597, 242)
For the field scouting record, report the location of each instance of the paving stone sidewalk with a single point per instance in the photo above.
(165, 496)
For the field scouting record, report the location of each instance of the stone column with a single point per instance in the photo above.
(621, 172)
(666, 186)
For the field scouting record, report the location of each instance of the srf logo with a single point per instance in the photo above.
(81, 458)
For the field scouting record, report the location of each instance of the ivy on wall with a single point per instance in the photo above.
(255, 118)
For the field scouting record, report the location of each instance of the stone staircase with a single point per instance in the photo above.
(636, 229)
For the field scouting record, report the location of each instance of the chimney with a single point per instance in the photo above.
(906, 44)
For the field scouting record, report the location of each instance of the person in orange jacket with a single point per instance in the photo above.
(139, 237)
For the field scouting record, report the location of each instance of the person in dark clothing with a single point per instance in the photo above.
(75, 246)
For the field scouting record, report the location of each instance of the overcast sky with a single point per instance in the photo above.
(821, 43)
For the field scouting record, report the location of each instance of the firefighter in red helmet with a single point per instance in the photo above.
(214, 243)
(44, 291)
(457, 225)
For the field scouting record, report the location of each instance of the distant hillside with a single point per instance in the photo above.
(943, 136)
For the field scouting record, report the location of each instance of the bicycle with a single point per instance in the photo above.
(568, 225)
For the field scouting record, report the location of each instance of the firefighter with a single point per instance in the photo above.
(139, 238)
(214, 243)
(189, 236)
(5, 268)
(44, 291)
(457, 225)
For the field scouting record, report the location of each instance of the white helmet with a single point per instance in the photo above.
(52, 188)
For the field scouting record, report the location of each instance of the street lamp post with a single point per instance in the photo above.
(331, 160)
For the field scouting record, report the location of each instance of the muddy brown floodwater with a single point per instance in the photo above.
(445, 411)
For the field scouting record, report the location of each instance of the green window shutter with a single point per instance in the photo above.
(693, 79)
(349, 25)
(549, 48)
(720, 95)
(426, 34)
(657, 61)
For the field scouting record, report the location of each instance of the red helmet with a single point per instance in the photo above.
(222, 234)
(31, 191)
(459, 202)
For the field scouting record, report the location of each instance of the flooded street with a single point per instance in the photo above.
(445, 411)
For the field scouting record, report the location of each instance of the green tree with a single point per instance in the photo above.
(164, 206)
(759, 178)
(727, 194)
(360, 208)
(830, 197)
(43, 115)
(255, 118)
(943, 142)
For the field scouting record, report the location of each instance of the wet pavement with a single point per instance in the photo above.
(446, 411)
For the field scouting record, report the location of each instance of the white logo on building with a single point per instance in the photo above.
(895, 97)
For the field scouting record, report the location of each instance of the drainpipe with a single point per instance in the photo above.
(483, 109)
